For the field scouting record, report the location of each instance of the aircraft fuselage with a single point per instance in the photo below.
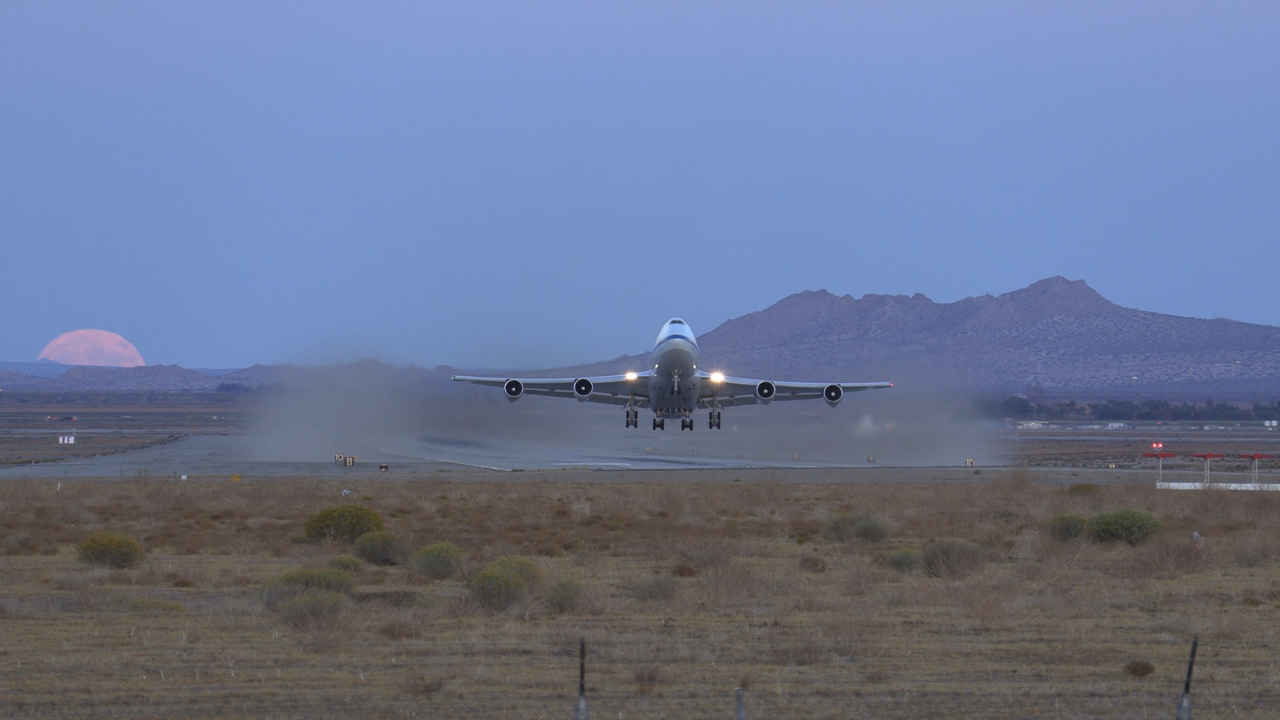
(673, 389)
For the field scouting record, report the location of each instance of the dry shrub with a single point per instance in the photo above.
(427, 686)
(785, 648)
(496, 590)
(1129, 526)
(110, 549)
(402, 625)
(1254, 551)
(1067, 527)
(1220, 625)
(504, 581)
(1082, 490)
(657, 587)
(1139, 668)
(134, 603)
(813, 564)
(1170, 558)
(904, 560)
(647, 680)
(379, 548)
(75, 582)
(712, 553)
(563, 595)
(684, 570)
(523, 568)
(438, 561)
(398, 630)
(349, 563)
(298, 582)
(951, 559)
(342, 522)
(312, 609)
(331, 579)
(986, 602)
(844, 527)
(843, 636)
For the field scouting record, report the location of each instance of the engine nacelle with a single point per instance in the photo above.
(765, 390)
(582, 388)
(514, 389)
(832, 394)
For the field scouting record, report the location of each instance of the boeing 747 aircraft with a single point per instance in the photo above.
(674, 387)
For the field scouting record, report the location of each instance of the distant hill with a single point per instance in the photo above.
(172, 378)
(1057, 333)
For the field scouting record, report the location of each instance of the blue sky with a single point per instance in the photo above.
(531, 184)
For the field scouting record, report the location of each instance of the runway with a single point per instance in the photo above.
(231, 454)
(223, 456)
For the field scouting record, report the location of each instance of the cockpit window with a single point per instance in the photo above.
(677, 322)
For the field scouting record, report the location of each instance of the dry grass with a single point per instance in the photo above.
(687, 590)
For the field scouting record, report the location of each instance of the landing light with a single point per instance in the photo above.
(632, 376)
(717, 377)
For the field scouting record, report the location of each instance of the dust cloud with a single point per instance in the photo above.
(384, 413)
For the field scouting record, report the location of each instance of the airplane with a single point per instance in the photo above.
(674, 387)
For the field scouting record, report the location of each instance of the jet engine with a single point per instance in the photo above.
(582, 388)
(832, 394)
(766, 390)
(514, 389)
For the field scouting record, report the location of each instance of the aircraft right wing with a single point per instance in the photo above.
(747, 391)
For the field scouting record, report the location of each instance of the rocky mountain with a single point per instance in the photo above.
(1057, 333)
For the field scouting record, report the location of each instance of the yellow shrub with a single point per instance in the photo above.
(504, 581)
(343, 522)
(438, 561)
(110, 549)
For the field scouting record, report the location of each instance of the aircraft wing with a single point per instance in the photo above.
(743, 391)
(606, 389)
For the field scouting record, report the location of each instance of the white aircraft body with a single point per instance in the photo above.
(674, 387)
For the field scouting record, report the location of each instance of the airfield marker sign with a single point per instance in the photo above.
(1206, 457)
(1256, 457)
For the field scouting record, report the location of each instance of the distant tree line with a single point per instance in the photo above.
(1019, 408)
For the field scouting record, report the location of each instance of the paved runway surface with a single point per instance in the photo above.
(214, 456)
(203, 455)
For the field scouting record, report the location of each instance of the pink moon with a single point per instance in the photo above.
(92, 347)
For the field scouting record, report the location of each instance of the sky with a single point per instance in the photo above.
(514, 184)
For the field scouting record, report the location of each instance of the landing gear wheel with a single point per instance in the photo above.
(659, 424)
(686, 423)
(633, 418)
(714, 420)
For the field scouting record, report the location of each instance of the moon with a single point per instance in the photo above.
(92, 347)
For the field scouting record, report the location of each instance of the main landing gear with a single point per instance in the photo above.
(659, 424)
(686, 423)
(633, 418)
(714, 423)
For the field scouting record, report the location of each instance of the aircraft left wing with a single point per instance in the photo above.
(747, 391)
(607, 389)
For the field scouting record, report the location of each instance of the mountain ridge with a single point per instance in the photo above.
(1057, 333)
